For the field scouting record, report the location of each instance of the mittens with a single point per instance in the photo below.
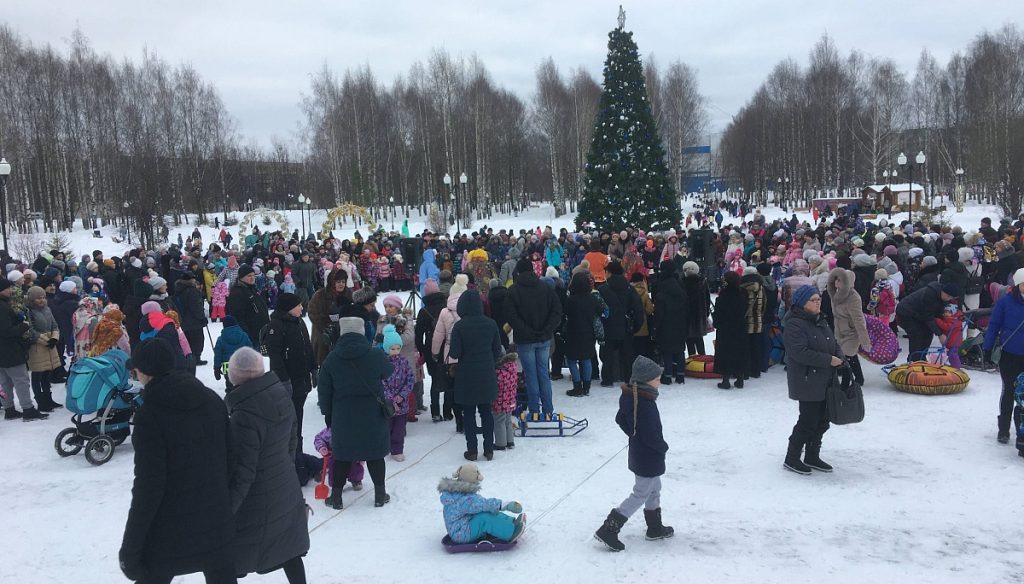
(216, 373)
(513, 507)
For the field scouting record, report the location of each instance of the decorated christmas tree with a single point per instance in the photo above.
(627, 181)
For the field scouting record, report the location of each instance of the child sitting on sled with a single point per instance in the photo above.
(470, 517)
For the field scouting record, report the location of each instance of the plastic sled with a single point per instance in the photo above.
(484, 545)
(558, 426)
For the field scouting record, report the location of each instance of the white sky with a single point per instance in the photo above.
(260, 54)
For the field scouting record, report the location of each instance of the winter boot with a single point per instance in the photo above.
(666, 380)
(586, 388)
(11, 413)
(334, 500)
(380, 497)
(577, 389)
(680, 379)
(357, 486)
(813, 460)
(1003, 425)
(739, 383)
(32, 414)
(469, 455)
(608, 533)
(793, 462)
(520, 526)
(655, 529)
(48, 396)
(724, 384)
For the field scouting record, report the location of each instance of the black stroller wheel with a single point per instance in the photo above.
(99, 449)
(68, 443)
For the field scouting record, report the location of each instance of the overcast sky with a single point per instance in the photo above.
(260, 54)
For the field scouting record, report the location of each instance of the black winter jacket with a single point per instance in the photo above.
(580, 310)
(180, 520)
(533, 309)
(11, 331)
(349, 389)
(731, 331)
(248, 308)
(621, 298)
(647, 446)
(671, 311)
(810, 345)
(188, 301)
(476, 346)
(290, 351)
(923, 305)
(270, 514)
(433, 304)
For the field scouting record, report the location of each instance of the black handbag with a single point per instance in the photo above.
(844, 398)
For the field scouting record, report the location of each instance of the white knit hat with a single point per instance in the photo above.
(14, 275)
(1018, 277)
(68, 286)
(245, 364)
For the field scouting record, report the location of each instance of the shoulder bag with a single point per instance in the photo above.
(844, 399)
(997, 351)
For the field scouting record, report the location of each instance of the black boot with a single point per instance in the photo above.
(334, 500)
(813, 459)
(32, 414)
(739, 383)
(586, 388)
(48, 396)
(724, 384)
(380, 497)
(1003, 425)
(608, 533)
(793, 462)
(680, 379)
(655, 529)
(666, 380)
(577, 389)
(11, 413)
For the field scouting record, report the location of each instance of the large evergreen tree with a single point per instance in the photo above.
(627, 181)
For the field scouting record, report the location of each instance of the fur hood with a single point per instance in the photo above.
(847, 278)
(508, 357)
(453, 485)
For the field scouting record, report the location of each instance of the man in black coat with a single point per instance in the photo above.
(291, 351)
(625, 317)
(180, 520)
(534, 312)
(917, 312)
(188, 301)
(246, 305)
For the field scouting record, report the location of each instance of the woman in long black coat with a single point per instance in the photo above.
(270, 513)
(698, 308)
(731, 326)
(290, 352)
(670, 317)
(476, 345)
(351, 391)
(581, 308)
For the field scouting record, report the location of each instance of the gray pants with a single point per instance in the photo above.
(504, 434)
(15, 380)
(646, 493)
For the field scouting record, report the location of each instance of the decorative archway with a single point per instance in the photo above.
(342, 211)
(243, 225)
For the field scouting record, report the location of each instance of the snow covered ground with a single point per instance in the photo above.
(922, 493)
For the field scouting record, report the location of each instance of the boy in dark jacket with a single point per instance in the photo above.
(639, 418)
(231, 339)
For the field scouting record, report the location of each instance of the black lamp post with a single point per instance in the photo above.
(903, 161)
(463, 179)
(5, 171)
(127, 225)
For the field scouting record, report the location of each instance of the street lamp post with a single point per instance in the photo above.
(463, 179)
(5, 171)
(302, 213)
(127, 225)
(903, 161)
(309, 216)
(959, 194)
(392, 201)
(248, 205)
(448, 182)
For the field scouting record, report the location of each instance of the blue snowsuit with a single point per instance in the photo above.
(469, 516)
(428, 270)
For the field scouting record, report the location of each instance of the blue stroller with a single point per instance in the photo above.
(98, 386)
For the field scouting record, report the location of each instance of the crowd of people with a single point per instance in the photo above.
(499, 314)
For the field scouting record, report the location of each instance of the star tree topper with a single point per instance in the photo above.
(622, 17)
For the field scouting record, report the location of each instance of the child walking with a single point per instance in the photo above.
(505, 404)
(398, 388)
(639, 418)
(322, 443)
(469, 517)
(219, 302)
